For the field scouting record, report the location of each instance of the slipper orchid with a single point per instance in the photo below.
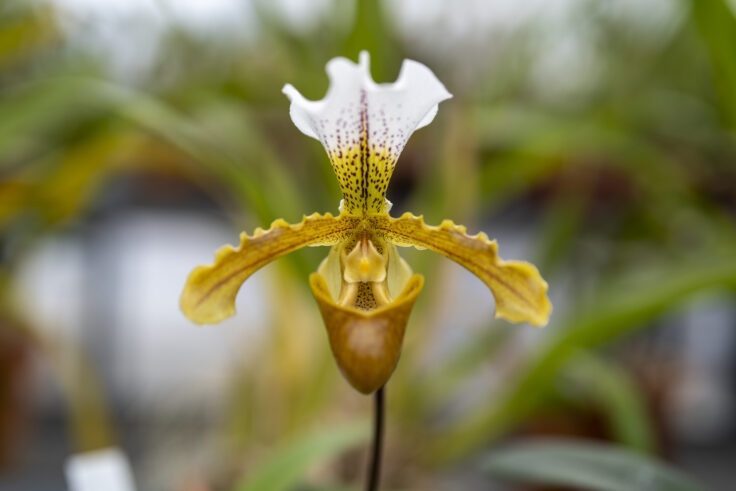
(364, 289)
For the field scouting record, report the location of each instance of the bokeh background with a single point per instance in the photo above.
(594, 138)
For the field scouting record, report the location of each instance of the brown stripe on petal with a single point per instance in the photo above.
(517, 286)
(209, 294)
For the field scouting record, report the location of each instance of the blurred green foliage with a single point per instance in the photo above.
(286, 467)
(627, 186)
(584, 465)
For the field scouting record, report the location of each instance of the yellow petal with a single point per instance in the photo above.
(520, 291)
(366, 344)
(209, 294)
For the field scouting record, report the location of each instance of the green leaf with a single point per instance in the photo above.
(618, 397)
(585, 465)
(717, 25)
(29, 112)
(288, 464)
(372, 32)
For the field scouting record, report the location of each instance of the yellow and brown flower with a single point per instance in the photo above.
(364, 289)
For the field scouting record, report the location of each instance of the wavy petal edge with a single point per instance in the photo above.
(210, 291)
(364, 125)
(519, 289)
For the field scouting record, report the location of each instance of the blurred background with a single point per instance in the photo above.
(594, 138)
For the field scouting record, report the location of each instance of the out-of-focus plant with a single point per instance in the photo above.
(285, 468)
(584, 465)
(46, 177)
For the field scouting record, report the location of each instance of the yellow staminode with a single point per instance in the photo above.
(364, 289)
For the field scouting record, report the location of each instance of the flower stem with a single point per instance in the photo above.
(374, 471)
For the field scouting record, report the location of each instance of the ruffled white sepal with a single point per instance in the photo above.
(394, 110)
(364, 125)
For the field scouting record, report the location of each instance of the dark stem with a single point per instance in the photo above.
(374, 471)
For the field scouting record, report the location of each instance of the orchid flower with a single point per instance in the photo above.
(364, 289)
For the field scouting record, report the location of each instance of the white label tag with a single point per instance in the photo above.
(101, 470)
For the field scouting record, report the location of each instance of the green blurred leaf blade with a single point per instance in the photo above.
(288, 464)
(584, 465)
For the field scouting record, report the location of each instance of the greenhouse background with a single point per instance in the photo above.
(596, 139)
